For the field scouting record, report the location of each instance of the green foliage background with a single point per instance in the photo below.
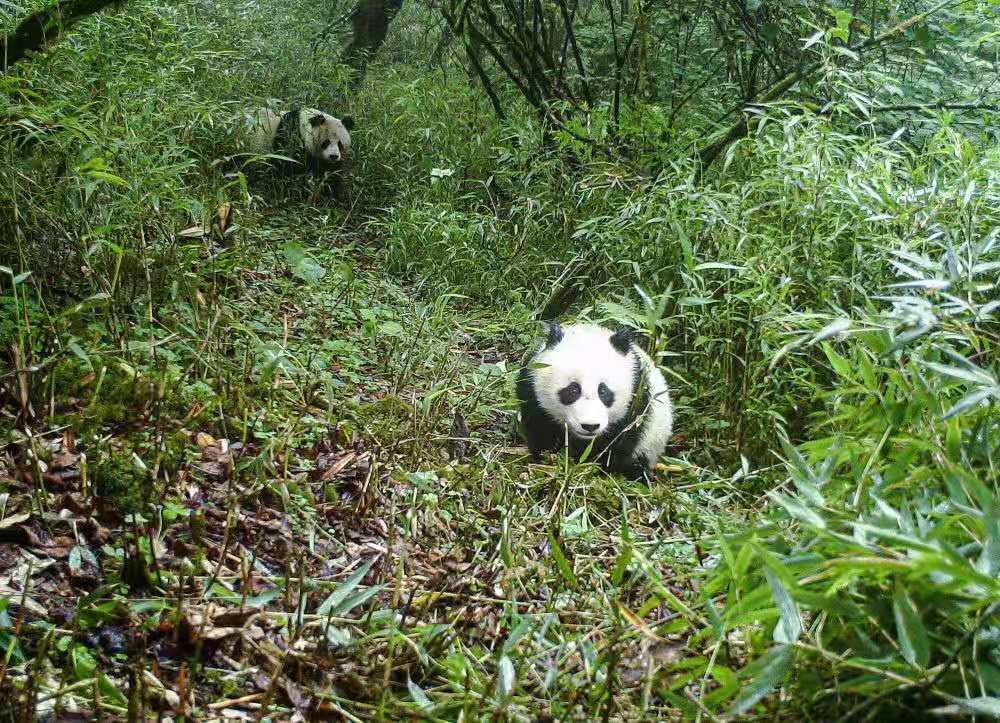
(824, 300)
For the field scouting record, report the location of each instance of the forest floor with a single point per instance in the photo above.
(337, 547)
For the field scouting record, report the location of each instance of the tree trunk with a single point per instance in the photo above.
(370, 22)
(43, 27)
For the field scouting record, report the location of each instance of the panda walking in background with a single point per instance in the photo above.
(589, 385)
(307, 140)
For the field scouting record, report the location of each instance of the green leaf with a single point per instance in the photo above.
(418, 695)
(789, 626)
(969, 401)
(80, 353)
(910, 630)
(561, 562)
(110, 692)
(983, 705)
(839, 363)
(505, 552)
(766, 674)
(797, 510)
(970, 374)
(339, 596)
(505, 677)
(303, 265)
(84, 664)
(259, 601)
(717, 265)
(523, 628)
(355, 600)
(625, 556)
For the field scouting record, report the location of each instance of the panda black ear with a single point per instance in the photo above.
(622, 339)
(317, 120)
(555, 333)
(348, 122)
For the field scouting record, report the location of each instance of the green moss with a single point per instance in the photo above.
(117, 480)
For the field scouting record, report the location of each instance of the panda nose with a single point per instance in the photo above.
(590, 427)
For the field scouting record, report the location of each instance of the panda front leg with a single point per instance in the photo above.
(342, 186)
(635, 468)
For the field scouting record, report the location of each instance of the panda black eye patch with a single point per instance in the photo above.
(324, 144)
(570, 393)
(606, 395)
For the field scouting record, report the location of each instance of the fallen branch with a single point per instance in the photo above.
(45, 26)
(742, 127)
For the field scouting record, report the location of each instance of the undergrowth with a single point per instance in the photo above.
(257, 449)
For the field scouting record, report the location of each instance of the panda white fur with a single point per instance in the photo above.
(596, 386)
(314, 140)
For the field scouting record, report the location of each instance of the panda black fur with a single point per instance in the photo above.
(587, 392)
(313, 140)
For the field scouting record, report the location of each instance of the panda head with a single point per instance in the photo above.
(588, 379)
(326, 138)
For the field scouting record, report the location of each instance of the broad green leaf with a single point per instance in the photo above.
(717, 265)
(303, 265)
(80, 353)
(624, 556)
(84, 664)
(259, 601)
(969, 374)
(839, 363)
(354, 601)
(970, 401)
(523, 628)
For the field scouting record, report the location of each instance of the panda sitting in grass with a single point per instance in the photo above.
(587, 385)
(299, 140)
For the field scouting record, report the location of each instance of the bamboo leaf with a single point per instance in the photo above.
(338, 596)
(910, 630)
(789, 626)
(768, 673)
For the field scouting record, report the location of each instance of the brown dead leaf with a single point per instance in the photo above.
(14, 530)
(76, 503)
(14, 520)
(64, 460)
(213, 469)
(223, 216)
(213, 633)
(337, 467)
(203, 439)
(300, 700)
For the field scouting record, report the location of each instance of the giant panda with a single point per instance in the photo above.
(310, 139)
(587, 384)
